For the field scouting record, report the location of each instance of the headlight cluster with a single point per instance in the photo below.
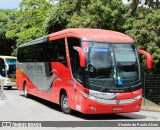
(88, 96)
(111, 101)
(138, 97)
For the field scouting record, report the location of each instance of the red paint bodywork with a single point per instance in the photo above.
(67, 81)
(82, 56)
(93, 35)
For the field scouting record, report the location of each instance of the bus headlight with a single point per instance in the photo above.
(138, 97)
(88, 96)
(84, 94)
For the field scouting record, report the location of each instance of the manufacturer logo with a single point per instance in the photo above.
(118, 101)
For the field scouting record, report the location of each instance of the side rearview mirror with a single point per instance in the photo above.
(148, 57)
(82, 56)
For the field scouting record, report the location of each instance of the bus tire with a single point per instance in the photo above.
(26, 95)
(64, 104)
(9, 87)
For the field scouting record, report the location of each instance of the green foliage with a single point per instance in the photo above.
(3, 24)
(56, 19)
(153, 4)
(104, 14)
(34, 18)
(28, 21)
(4, 20)
(5, 44)
(145, 29)
(139, 20)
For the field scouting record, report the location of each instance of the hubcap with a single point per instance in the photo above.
(65, 103)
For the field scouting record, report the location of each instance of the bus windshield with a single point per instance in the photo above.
(11, 61)
(2, 68)
(11, 68)
(112, 65)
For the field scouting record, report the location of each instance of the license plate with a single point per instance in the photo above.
(117, 108)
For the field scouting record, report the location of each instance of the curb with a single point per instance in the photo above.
(151, 109)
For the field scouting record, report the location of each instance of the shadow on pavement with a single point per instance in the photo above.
(123, 116)
(49, 104)
(120, 116)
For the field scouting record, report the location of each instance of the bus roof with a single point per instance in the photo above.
(8, 57)
(94, 35)
(85, 34)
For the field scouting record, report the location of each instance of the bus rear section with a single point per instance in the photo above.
(92, 71)
(8, 71)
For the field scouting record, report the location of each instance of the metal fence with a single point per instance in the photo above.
(151, 90)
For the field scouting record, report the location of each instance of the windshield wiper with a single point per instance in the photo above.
(122, 76)
(98, 77)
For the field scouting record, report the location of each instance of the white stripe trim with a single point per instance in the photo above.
(111, 101)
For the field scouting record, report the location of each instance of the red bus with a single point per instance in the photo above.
(92, 71)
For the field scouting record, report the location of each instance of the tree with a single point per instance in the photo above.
(139, 20)
(142, 23)
(145, 29)
(4, 19)
(28, 21)
(5, 44)
(104, 14)
(149, 4)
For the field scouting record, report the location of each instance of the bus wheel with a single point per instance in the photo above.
(26, 95)
(64, 104)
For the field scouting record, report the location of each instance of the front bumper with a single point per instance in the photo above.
(103, 103)
(92, 107)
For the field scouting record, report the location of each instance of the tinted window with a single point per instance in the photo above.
(1, 62)
(2, 67)
(30, 53)
(74, 58)
(126, 60)
(59, 52)
(53, 51)
(27, 54)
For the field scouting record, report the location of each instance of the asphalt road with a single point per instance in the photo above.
(18, 108)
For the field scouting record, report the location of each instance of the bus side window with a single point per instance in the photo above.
(27, 53)
(74, 58)
(58, 51)
(20, 55)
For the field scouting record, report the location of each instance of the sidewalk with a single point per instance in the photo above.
(2, 95)
(147, 105)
